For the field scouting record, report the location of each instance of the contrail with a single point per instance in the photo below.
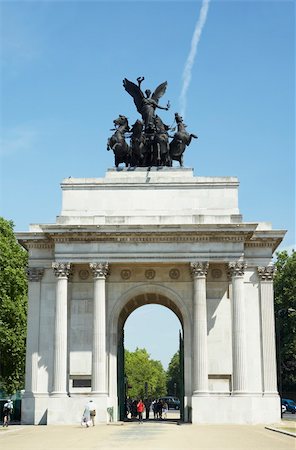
(191, 57)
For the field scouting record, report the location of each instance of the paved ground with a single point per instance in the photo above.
(149, 436)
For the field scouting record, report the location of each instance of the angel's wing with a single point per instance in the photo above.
(159, 91)
(135, 92)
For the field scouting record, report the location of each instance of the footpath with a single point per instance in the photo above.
(150, 435)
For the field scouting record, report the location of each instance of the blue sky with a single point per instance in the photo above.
(62, 65)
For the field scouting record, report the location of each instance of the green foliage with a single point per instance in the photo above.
(285, 299)
(140, 369)
(13, 309)
(174, 376)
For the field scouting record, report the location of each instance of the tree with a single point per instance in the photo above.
(174, 376)
(285, 312)
(13, 309)
(140, 369)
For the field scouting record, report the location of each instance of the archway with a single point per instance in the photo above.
(136, 302)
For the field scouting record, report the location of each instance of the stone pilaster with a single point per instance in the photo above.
(34, 275)
(62, 272)
(200, 348)
(99, 356)
(239, 362)
(268, 329)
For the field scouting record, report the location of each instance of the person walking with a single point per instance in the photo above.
(7, 411)
(140, 410)
(92, 407)
(147, 404)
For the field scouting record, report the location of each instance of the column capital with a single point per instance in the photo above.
(61, 270)
(35, 273)
(266, 273)
(236, 268)
(199, 269)
(100, 270)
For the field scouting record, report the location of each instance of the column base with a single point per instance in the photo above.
(231, 409)
(59, 394)
(34, 409)
(200, 393)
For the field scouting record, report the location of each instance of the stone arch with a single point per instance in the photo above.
(134, 298)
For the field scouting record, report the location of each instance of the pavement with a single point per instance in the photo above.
(151, 435)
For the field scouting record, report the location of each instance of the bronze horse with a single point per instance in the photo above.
(117, 141)
(137, 145)
(180, 140)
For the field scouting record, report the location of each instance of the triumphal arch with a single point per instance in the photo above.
(151, 235)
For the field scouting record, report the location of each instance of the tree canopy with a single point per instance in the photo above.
(141, 369)
(285, 312)
(13, 309)
(174, 375)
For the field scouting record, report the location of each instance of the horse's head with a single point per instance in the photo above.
(178, 118)
(160, 126)
(137, 127)
(121, 121)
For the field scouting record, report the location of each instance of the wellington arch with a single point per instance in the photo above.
(151, 235)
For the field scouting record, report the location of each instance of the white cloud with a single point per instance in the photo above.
(192, 53)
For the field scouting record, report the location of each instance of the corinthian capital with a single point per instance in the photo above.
(236, 268)
(199, 269)
(35, 273)
(61, 270)
(266, 273)
(100, 270)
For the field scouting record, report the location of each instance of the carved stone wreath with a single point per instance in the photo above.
(174, 274)
(125, 274)
(216, 273)
(150, 274)
(83, 274)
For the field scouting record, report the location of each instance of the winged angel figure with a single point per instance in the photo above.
(145, 104)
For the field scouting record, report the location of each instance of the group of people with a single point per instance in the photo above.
(136, 408)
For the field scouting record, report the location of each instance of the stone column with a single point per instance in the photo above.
(32, 345)
(239, 362)
(62, 272)
(268, 329)
(98, 383)
(200, 347)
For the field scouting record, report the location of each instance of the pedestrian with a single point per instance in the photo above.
(159, 409)
(140, 410)
(147, 404)
(154, 408)
(92, 411)
(85, 421)
(7, 411)
(165, 409)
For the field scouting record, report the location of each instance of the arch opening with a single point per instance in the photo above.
(172, 393)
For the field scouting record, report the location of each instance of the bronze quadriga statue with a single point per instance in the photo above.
(149, 137)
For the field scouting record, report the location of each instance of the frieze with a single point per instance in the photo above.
(266, 273)
(40, 245)
(35, 273)
(199, 269)
(100, 270)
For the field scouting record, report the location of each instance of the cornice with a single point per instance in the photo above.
(226, 233)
